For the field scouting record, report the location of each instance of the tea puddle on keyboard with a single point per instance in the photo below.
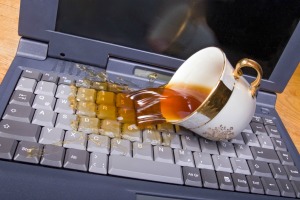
(143, 108)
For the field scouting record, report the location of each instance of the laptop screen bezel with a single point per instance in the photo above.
(84, 50)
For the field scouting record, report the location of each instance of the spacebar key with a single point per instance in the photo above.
(145, 169)
(19, 130)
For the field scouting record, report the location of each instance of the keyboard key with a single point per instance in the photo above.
(89, 125)
(64, 106)
(26, 84)
(67, 121)
(106, 98)
(203, 160)
(266, 155)
(268, 121)
(110, 128)
(18, 113)
(248, 129)
(270, 186)
(123, 100)
(98, 163)
(257, 119)
(292, 172)
(286, 188)
(144, 169)
(142, 151)
(28, 152)
(238, 139)
(19, 130)
(278, 171)
(44, 117)
(107, 112)
(258, 128)
(255, 185)
(131, 132)
(226, 149)
(50, 135)
(279, 144)
(259, 168)
(86, 109)
(98, 143)
(208, 146)
(265, 141)
(296, 186)
(65, 91)
(186, 132)
(116, 87)
(7, 148)
(45, 88)
(243, 151)
(240, 166)
(272, 131)
(32, 74)
(209, 178)
(184, 157)
(225, 181)
(76, 159)
(191, 176)
(152, 136)
(50, 77)
(250, 139)
(22, 98)
(99, 85)
(163, 154)
(171, 139)
(126, 115)
(240, 182)
(44, 102)
(53, 156)
(67, 80)
(285, 158)
(83, 83)
(222, 163)
(120, 147)
(75, 140)
(166, 127)
(87, 95)
(190, 143)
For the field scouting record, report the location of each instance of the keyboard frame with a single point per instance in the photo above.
(40, 182)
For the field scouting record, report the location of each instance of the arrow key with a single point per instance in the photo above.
(270, 186)
(286, 188)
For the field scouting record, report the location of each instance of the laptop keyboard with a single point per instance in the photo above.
(41, 126)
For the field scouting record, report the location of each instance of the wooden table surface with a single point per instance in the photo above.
(288, 103)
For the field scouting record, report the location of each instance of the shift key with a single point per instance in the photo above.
(19, 130)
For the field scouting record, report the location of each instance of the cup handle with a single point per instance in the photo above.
(237, 73)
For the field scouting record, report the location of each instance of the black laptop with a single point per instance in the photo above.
(91, 51)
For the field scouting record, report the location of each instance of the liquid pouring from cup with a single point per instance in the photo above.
(206, 95)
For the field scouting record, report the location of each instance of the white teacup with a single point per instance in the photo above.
(231, 102)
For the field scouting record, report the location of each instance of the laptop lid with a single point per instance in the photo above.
(163, 33)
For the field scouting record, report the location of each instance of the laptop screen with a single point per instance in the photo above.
(178, 28)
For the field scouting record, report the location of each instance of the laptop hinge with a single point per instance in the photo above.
(32, 49)
(266, 99)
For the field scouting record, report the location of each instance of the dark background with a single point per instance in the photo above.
(258, 30)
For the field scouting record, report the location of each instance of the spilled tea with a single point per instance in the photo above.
(158, 105)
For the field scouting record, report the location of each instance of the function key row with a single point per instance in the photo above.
(48, 77)
(69, 80)
(263, 120)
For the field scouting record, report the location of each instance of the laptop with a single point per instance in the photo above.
(66, 42)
